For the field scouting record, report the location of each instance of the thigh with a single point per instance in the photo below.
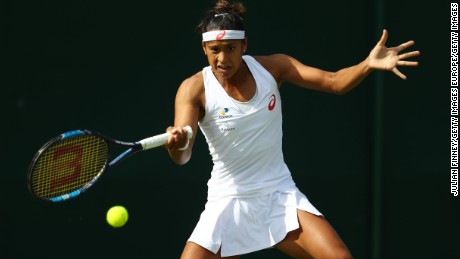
(315, 238)
(195, 251)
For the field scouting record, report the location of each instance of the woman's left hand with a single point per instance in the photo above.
(389, 59)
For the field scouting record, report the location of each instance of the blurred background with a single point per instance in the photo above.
(375, 161)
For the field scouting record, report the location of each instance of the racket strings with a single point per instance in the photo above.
(69, 165)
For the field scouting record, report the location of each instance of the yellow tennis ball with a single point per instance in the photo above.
(117, 216)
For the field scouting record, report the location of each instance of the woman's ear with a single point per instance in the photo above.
(245, 44)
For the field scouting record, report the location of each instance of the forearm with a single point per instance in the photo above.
(187, 110)
(348, 78)
(288, 69)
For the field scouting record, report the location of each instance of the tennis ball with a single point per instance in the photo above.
(117, 216)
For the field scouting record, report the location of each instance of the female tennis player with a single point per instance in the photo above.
(253, 202)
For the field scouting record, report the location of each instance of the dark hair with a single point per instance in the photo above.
(224, 16)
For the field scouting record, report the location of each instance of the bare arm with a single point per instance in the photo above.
(288, 69)
(188, 109)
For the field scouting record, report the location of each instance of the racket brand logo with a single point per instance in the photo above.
(221, 35)
(61, 158)
(224, 115)
(272, 103)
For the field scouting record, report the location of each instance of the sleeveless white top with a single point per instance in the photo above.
(245, 144)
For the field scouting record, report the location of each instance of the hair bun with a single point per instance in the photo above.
(223, 16)
(223, 6)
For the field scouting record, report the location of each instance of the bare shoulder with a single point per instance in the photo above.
(272, 58)
(193, 85)
(275, 64)
(192, 90)
(194, 81)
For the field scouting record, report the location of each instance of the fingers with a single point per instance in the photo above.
(383, 39)
(399, 48)
(177, 139)
(399, 61)
(407, 63)
(405, 45)
(402, 62)
(409, 55)
(398, 73)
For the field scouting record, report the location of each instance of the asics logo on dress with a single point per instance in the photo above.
(272, 103)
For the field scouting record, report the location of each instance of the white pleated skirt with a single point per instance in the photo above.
(239, 226)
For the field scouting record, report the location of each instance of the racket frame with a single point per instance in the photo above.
(133, 147)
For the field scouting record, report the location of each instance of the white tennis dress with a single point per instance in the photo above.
(252, 198)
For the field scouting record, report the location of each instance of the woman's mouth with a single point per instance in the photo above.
(224, 69)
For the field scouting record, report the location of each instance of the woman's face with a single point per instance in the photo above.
(225, 56)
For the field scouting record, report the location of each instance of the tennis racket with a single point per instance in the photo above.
(70, 163)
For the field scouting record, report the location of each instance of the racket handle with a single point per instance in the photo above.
(161, 139)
